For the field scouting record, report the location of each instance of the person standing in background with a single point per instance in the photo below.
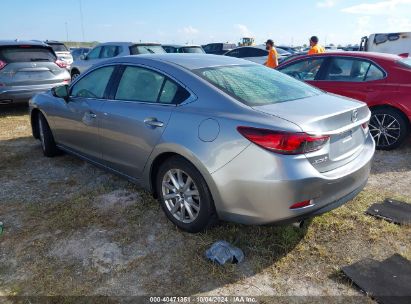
(315, 47)
(272, 60)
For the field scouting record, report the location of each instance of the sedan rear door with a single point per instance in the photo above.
(135, 117)
(352, 77)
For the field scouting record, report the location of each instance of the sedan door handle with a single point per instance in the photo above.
(92, 115)
(153, 122)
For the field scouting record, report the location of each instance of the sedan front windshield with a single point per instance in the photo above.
(256, 85)
(193, 49)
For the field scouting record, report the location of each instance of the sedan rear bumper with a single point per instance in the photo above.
(259, 187)
(22, 94)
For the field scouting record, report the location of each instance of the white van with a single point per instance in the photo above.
(392, 43)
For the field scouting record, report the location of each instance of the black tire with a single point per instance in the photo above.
(206, 216)
(389, 127)
(48, 144)
(74, 75)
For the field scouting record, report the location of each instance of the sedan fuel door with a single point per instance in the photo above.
(135, 117)
(76, 123)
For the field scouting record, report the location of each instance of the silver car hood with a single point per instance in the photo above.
(321, 114)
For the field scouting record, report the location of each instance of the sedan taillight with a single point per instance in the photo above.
(61, 64)
(283, 142)
(2, 64)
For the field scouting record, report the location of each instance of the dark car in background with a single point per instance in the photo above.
(191, 49)
(383, 81)
(257, 54)
(27, 68)
(78, 52)
(218, 48)
(288, 49)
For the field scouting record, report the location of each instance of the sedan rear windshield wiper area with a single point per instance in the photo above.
(39, 59)
(149, 50)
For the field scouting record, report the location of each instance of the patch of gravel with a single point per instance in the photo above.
(391, 171)
(117, 200)
(93, 248)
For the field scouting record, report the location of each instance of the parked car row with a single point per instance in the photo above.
(380, 80)
(104, 51)
(257, 54)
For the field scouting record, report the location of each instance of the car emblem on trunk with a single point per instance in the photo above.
(33, 65)
(354, 116)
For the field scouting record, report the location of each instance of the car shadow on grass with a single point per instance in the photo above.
(392, 161)
(13, 110)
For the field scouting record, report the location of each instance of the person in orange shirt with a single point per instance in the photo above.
(315, 47)
(272, 60)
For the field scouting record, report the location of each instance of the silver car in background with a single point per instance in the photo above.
(28, 68)
(62, 52)
(108, 50)
(213, 137)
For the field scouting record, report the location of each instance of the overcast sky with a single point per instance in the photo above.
(193, 21)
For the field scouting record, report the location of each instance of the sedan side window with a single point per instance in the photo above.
(348, 70)
(374, 73)
(94, 53)
(110, 51)
(139, 84)
(254, 52)
(305, 69)
(168, 92)
(94, 84)
(234, 53)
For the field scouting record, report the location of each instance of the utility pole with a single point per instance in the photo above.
(82, 20)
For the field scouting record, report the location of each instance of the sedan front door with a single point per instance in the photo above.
(76, 122)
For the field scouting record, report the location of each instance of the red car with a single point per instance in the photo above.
(383, 81)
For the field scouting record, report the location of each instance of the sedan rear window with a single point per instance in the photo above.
(146, 49)
(406, 62)
(26, 54)
(193, 49)
(256, 85)
(59, 47)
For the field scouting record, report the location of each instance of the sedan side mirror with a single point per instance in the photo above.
(61, 92)
(83, 57)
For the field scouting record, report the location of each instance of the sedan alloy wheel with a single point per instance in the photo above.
(181, 195)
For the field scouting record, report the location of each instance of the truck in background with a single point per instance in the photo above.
(392, 43)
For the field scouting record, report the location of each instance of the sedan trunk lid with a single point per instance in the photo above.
(343, 120)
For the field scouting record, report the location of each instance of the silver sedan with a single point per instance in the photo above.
(212, 137)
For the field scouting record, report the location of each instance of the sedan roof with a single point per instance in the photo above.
(187, 61)
(366, 55)
(21, 42)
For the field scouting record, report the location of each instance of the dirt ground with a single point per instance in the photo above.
(73, 229)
